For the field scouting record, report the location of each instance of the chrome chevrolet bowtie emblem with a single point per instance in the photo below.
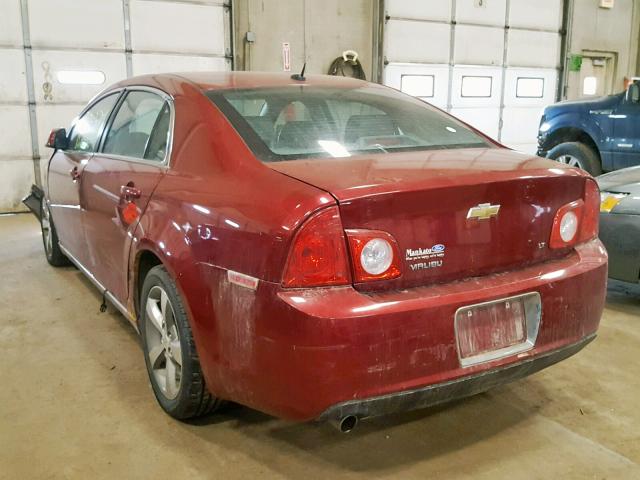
(483, 211)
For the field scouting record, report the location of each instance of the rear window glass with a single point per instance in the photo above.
(300, 121)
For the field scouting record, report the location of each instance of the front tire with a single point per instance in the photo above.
(169, 350)
(576, 154)
(52, 251)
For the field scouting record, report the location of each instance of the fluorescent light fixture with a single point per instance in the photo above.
(333, 148)
(80, 77)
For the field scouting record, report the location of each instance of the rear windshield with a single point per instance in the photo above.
(299, 121)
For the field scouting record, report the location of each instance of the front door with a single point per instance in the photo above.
(626, 129)
(65, 176)
(119, 180)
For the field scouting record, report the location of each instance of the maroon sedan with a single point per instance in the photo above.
(321, 248)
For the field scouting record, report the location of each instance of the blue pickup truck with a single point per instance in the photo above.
(596, 135)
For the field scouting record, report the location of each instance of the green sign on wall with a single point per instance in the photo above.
(575, 62)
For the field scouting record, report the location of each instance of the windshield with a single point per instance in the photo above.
(287, 123)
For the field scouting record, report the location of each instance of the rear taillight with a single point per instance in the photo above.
(591, 215)
(318, 255)
(375, 255)
(577, 221)
(566, 225)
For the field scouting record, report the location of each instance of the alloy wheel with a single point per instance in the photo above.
(570, 160)
(163, 342)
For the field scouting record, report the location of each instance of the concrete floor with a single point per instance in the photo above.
(75, 402)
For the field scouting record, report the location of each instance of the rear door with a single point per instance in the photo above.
(626, 130)
(120, 178)
(65, 175)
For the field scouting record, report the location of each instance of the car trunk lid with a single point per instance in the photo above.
(454, 213)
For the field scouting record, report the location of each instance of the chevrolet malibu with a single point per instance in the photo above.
(320, 248)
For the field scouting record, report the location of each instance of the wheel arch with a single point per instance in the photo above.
(571, 134)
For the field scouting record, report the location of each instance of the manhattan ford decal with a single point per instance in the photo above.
(425, 258)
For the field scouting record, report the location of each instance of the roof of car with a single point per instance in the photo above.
(225, 80)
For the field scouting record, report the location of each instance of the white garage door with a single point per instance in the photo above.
(492, 63)
(57, 54)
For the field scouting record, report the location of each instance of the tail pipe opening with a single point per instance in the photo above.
(345, 424)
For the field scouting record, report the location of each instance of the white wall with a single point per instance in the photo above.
(605, 30)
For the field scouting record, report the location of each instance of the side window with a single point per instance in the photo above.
(86, 131)
(130, 133)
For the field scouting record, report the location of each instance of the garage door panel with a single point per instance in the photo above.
(155, 63)
(427, 82)
(484, 119)
(10, 23)
(533, 49)
(490, 13)
(15, 183)
(538, 14)
(154, 28)
(528, 87)
(13, 86)
(466, 45)
(438, 10)
(417, 42)
(112, 65)
(476, 87)
(15, 136)
(520, 124)
(86, 23)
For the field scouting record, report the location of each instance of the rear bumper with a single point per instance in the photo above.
(452, 390)
(317, 353)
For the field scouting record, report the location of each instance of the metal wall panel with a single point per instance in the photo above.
(153, 27)
(466, 45)
(10, 30)
(491, 13)
(417, 42)
(538, 14)
(16, 177)
(533, 49)
(15, 139)
(523, 106)
(76, 24)
(436, 10)
(13, 87)
(156, 63)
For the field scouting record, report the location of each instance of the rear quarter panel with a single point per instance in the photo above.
(219, 209)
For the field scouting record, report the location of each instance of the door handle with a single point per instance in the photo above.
(129, 193)
(75, 174)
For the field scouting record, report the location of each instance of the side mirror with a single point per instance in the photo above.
(633, 93)
(58, 139)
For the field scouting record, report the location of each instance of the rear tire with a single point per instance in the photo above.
(52, 251)
(578, 155)
(169, 350)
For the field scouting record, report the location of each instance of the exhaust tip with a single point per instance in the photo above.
(345, 424)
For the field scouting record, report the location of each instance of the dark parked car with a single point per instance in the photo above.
(321, 248)
(595, 135)
(620, 222)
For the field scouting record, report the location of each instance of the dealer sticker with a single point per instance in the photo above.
(242, 280)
